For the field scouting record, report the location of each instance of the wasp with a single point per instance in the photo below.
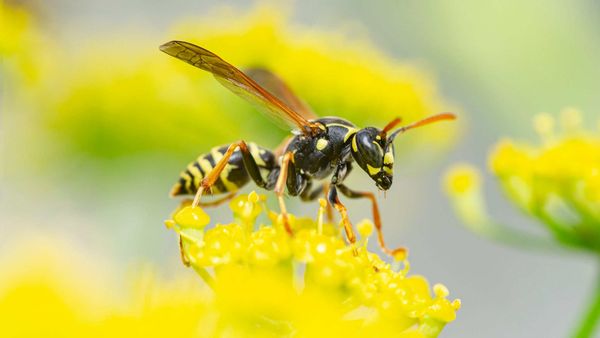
(319, 148)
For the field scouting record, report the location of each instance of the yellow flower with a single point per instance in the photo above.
(267, 283)
(556, 182)
(263, 283)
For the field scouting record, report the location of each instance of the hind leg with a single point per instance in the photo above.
(213, 203)
(249, 163)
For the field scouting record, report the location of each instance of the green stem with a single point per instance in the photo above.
(208, 279)
(587, 326)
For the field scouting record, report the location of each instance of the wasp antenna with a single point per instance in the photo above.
(391, 125)
(425, 121)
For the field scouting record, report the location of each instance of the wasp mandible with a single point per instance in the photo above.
(319, 148)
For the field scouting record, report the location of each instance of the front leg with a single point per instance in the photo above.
(340, 173)
(295, 183)
(397, 252)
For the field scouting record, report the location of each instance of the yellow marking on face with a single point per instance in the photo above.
(255, 152)
(231, 187)
(378, 146)
(354, 146)
(388, 158)
(378, 138)
(322, 144)
(373, 171)
(388, 170)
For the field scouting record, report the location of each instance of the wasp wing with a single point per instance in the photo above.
(238, 82)
(278, 88)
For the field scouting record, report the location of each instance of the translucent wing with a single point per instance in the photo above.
(277, 87)
(239, 83)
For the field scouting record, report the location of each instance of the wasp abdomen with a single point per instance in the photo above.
(233, 177)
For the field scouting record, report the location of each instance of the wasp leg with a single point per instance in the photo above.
(309, 195)
(333, 198)
(214, 203)
(213, 176)
(184, 259)
(280, 188)
(328, 208)
(376, 218)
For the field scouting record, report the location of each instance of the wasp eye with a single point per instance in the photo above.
(369, 148)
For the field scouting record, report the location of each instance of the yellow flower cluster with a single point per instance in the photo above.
(269, 284)
(558, 181)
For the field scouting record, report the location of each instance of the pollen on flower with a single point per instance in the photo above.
(260, 273)
(191, 217)
(365, 228)
(441, 291)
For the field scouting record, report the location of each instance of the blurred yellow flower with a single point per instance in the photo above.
(557, 182)
(17, 37)
(118, 96)
(48, 290)
(268, 284)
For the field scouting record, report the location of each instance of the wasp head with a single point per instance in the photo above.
(373, 149)
(375, 155)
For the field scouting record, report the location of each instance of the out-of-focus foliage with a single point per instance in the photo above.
(557, 182)
(270, 284)
(118, 96)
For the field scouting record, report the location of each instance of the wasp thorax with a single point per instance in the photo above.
(372, 153)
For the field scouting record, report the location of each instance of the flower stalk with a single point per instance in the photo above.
(591, 316)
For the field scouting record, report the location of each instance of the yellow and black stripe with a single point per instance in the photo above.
(233, 177)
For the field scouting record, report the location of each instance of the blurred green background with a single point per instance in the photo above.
(96, 123)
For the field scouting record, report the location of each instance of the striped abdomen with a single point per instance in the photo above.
(233, 177)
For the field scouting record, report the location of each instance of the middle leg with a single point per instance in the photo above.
(309, 195)
(333, 198)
